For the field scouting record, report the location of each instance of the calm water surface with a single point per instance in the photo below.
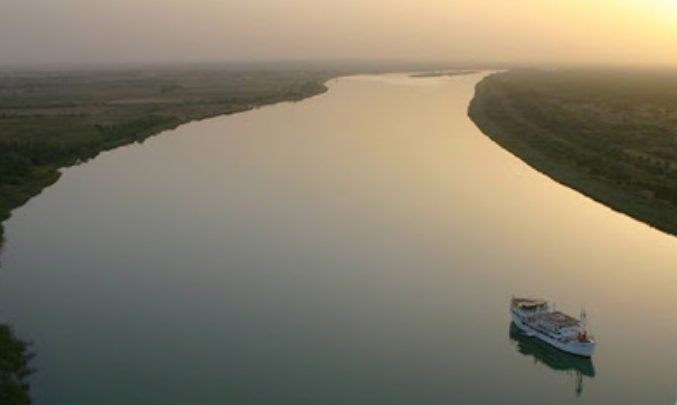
(358, 247)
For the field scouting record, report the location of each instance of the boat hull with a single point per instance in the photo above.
(582, 349)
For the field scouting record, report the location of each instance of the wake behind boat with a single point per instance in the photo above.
(559, 330)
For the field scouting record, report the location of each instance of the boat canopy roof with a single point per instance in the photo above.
(527, 303)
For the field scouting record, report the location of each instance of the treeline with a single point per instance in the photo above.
(294, 92)
(19, 155)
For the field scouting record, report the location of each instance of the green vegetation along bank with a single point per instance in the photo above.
(14, 369)
(612, 135)
(51, 120)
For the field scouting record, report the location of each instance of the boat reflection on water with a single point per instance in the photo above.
(555, 359)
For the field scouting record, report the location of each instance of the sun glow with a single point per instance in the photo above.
(663, 8)
(669, 3)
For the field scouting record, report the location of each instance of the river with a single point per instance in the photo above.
(358, 247)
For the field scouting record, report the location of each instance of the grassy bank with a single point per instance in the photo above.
(51, 120)
(611, 135)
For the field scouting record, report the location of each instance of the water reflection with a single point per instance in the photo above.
(555, 359)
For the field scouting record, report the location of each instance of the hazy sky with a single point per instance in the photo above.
(102, 31)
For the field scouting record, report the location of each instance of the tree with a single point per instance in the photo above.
(14, 369)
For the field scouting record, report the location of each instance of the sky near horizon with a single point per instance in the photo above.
(552, 31)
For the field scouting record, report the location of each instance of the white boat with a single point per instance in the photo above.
(559, 330)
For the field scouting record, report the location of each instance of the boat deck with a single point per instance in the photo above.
(557, 319)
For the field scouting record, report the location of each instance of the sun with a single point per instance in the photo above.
(671, 4)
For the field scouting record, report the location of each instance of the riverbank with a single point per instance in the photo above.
(52, 120)
(445, 73)
(610, 135)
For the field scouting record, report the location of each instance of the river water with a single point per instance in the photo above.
(357, 247)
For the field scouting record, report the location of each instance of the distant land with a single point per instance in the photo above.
(442, 73)
(610, 134)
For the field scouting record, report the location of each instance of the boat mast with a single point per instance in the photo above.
(584, 320)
